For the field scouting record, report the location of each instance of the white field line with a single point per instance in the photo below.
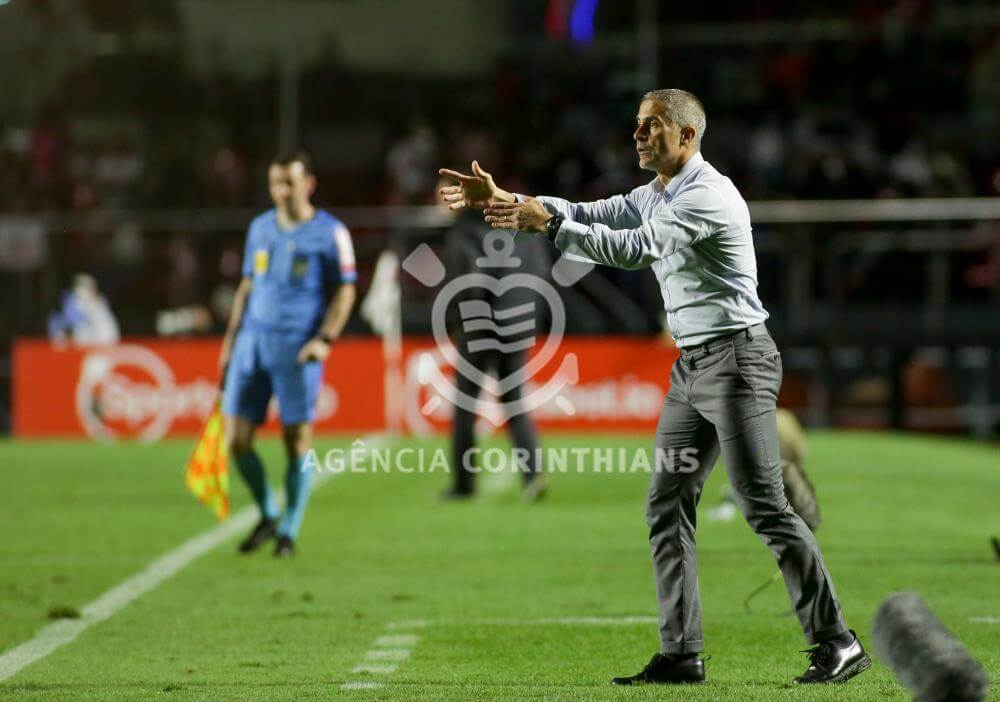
(57, 634)
(384, 656)
(388, 654)
(375, 668)
(985, 620)
(361, 685)
(408, 624)
(397, 647)
(396, 640)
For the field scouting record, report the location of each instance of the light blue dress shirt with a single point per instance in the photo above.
(695, 234)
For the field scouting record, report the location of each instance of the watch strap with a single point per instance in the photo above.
(552, 226)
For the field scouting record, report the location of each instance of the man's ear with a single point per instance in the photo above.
(687, 136)
(312, 185)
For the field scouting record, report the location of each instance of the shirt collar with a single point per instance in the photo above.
(676, 182)
(296, 227)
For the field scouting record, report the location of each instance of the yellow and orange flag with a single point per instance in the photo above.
(207, 470)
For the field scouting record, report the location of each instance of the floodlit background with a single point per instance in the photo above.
(134, 142)
(134, 139)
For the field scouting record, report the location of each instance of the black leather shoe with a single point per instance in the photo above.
(830, 663)
(666, 670)
(259, 536)
(285, 548)
(457, 494)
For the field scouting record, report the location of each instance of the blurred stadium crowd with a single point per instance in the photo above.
(898, 103)
(123, 157)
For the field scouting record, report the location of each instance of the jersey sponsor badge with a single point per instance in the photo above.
(260, 261)
(300, 267)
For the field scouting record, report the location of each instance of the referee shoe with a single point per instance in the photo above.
(259, 536)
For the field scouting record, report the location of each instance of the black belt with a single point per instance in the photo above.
(718, 341)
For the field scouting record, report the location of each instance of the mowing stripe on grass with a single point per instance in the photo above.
(628, 620)
(566, 621)
(58, 634)
(390, 649)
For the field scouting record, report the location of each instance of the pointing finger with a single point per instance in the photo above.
(460, 177)
(506, 206)
(501, 211)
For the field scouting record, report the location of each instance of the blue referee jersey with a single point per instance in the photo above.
(294, 272)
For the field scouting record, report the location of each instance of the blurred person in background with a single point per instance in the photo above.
(292, 304)
(465, 254)
(692, 226)
(84, 316)
(409, 165)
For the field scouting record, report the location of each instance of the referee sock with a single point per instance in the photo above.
(252, 471)
(298, 484)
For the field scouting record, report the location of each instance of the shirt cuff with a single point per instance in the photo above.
(569, 234)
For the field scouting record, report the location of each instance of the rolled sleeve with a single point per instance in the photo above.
(617, 212)
(696, 215)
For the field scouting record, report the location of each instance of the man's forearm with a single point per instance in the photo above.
(338, 312)
(239, 305)
(613, 212)
(502, 195)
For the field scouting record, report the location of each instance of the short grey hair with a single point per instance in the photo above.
(682, 108)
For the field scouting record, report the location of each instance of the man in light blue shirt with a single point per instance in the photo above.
(292, 304)
(691, 225)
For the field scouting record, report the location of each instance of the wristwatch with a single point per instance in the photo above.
(552, 226)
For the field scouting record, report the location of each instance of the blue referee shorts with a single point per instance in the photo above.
(263, 364)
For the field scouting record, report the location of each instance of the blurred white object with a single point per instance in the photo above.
(381, 306)
(181, 321)
(724, 512)
(84, 319)
(382, 309)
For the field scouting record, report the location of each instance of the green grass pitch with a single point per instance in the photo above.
(512, 596)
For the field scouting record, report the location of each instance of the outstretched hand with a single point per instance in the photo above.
(527, 216)
(474, 191)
